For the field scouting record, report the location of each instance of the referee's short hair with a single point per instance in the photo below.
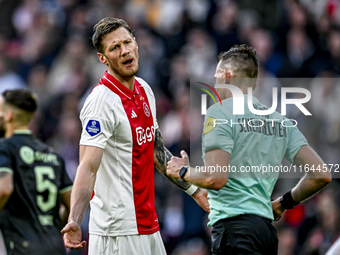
(104, 27)
(243, 60)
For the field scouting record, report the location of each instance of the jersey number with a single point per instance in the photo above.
(46, 184)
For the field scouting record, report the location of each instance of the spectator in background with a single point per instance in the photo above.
(299, 50)
(199, 52)
(321, 229)
(8, 78)
(287, 241)
(334, 49)
(179, 74)
(40, 33)
(37, 82)
(325, 89)
(263, 41)
(151, 56)
(266, 83)
(194, 246)
(67, 73)
(2, 134)
(224, 26)
(323, 26)
(297, 15)
(174, 125)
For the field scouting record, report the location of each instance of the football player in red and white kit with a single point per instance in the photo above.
(120, 146)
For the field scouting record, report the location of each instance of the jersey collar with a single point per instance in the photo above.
(22, 132)
(109, 81)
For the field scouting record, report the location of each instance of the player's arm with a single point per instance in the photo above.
(198, 176)
(65, 206)
(311, 183)
(6, 186)
(90, 158)
(161, 156)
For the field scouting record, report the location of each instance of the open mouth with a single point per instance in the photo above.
(128, 62)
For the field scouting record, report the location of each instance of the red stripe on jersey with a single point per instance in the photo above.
(142, 129)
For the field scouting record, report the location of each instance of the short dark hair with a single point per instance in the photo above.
(242, 58)
(104, 27)
(22, 99)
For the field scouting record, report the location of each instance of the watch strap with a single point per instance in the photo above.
(183, 171)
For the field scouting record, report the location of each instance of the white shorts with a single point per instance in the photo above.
(127, 245)
(335, 248)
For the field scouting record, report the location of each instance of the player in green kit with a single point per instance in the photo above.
(33, 182)
(241, 210)
(2, 134)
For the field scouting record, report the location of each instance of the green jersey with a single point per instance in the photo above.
(257, 144)
(30, 220)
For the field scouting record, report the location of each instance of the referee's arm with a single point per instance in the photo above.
(311, 183)
(202, 178)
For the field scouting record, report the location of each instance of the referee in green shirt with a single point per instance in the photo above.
(241, 210)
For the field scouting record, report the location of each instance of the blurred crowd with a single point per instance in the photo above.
(45, 45)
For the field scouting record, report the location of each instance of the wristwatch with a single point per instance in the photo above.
(183, 171)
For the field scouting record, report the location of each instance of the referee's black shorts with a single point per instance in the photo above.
(246, 234)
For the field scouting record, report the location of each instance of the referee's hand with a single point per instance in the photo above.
(175, 165)
(278, 210)
(72, 236)
(201, 199)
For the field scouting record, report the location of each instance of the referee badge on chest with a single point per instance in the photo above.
(93, 127)
(146, 109)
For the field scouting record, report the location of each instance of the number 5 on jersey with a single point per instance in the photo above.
(45, 184)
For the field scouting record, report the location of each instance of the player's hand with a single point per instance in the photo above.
(175, 164)
(72, 236)
(201, 199)
(277, 209)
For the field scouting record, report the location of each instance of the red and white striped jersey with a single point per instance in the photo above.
(123, 123)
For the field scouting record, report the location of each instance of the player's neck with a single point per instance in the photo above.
(229, 94)
(129, 83)
(10, 129)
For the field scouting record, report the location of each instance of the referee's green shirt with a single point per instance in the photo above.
(248, 191)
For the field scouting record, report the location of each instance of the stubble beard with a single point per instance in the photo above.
(126, 75)
(122, 74)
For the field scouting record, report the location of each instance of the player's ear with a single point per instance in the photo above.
(134, 38)
(227, 74)
(9, 115)
(102, 58)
